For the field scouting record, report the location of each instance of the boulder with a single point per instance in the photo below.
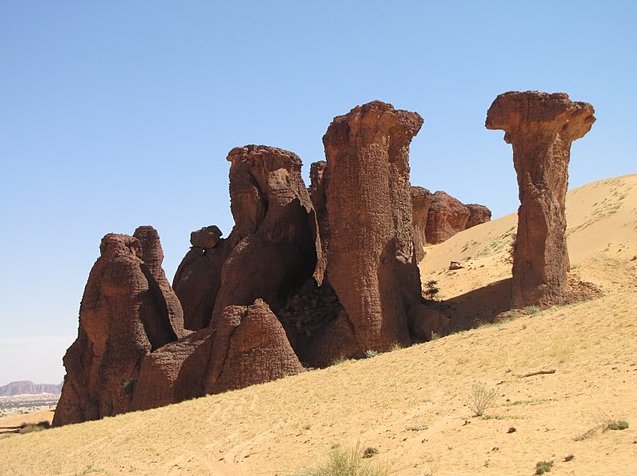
(423, 321)
(249, 347)
(173, 373)
(540, 127)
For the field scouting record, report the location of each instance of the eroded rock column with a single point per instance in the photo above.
(541, 128)
(127, 311)
(371, 263)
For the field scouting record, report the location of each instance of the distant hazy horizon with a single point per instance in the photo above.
(116, 115)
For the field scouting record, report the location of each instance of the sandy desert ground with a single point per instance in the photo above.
(412, 404)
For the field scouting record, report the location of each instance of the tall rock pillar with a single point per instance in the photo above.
(371, 262)
(541, 128)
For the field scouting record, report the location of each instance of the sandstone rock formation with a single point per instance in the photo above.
(173, 373)
(438, 216)
(447, 216)
(168, 302)
(541, 128)
(423, 321)
(198, 276)
(279, 247)
(249, 347)
(478, 214)
(371, 263)
(421, 199)
(319, 178)
(126, 312)
(306, 275)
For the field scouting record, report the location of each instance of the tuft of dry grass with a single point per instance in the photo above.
(349, 461)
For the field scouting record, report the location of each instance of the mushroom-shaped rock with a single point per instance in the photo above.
(371, 262)
(541, 128)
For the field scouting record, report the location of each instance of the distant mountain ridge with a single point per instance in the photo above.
(26, 387)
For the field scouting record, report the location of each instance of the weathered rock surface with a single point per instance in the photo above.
(206, 237)
(280, 247)
(421, 199)
(174, 372)
(541, 128)
(125, 314)
(319, 178)
(198, 276)
(478, 214)
(249, 347)
(447, 216)
(307, 275)
(168, 302)
(371, 262)
(438, 216)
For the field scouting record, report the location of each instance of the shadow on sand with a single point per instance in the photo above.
(479, 306)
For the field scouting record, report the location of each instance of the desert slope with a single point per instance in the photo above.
(411, 404)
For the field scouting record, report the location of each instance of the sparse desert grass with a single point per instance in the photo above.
(348, 462)
(602, 425)
(481, 398)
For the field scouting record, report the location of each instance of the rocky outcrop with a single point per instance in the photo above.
(249, 347)
(126, 312)
(447, 216)
(319, 178)
(279, 247)
(478, 214)
(371, 262)
(438, 216)
(421, 199)
(173, 373)
(168, 302)
(198, 276)
(541, 128)
(26, 387)
(306, 275)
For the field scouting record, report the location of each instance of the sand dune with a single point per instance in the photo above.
(411, 404)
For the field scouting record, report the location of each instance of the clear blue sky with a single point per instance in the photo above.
(119, 113)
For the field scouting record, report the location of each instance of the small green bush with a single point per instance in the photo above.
(431, 289)
(617, 425)
(542, 467)
(371, 353)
